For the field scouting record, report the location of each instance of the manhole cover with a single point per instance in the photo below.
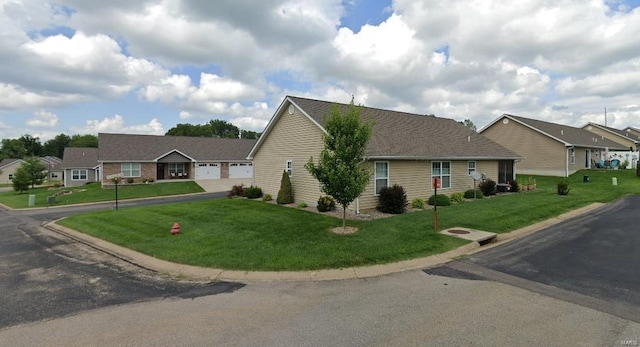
(458, 231)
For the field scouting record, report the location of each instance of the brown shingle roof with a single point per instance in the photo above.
(407, 135)
(128, 147)
(571, 136)
(80, 157)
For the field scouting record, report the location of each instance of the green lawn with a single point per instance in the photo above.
(94, 193)
(252, 235)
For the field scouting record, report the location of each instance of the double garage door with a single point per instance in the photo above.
(207, 171)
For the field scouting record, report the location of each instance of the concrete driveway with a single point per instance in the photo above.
(223, 184)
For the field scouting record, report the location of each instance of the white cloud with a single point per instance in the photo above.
(43, 119)
(116, 124)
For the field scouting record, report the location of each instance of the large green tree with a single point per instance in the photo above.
(56, 145)
(12, 149)
(341, 170)
(31, 144)
(184, 129)
(222, 128)
(83, 141)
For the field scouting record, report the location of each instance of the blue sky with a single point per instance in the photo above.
(143, 67)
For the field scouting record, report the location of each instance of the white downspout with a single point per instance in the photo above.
(358, 205)
(566, 162)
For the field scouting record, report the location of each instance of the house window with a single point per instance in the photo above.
(572, 155)
(79, 174)
(10, 176)
(471, 167)
(382, 176)
(176, 169)
(130, 169)
(442, 170)
(289, 167)
(54, 175)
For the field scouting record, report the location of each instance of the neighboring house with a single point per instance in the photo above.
(54, 167)
(632, 132)
(80, 165)
(405, 149)
(141, 157)
(549, 149)
(8, 168)
(622, 137)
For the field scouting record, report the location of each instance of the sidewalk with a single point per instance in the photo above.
(203, 273)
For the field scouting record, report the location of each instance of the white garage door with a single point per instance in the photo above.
(207, 171)
(240, 170)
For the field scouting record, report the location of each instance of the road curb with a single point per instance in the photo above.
(212, 274)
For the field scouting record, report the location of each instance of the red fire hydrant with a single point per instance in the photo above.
(175, 229)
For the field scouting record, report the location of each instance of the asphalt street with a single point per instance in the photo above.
(594, 256)
(571, 284)
(44, 275)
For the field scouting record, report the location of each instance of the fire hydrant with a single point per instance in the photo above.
(175, 229)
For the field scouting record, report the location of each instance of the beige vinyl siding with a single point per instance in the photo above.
(613, 137)
(293, 137)
(542, 154)
(415, 177)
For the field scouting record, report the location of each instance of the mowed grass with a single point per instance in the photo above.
(93, 192)
(252, 235)
(245, 234)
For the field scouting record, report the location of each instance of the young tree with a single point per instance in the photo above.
(285, 194)
(20, 180)
(35, 170)
(341, 170)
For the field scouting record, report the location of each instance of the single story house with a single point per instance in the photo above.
(8, 168)
(632, 132)
(80, 165)
(406, 149)
(622, 137)
(146, 157)
(549, 149)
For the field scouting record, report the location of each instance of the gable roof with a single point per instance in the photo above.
(401, 135)
(80, 157)
(621, 133)
(568, 135)
(8, 162)
(148, 148)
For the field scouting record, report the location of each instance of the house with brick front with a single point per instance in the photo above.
(405, 148)
(141, 158)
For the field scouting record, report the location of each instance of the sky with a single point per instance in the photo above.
(122, 66)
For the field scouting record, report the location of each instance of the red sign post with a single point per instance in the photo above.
(435, 184)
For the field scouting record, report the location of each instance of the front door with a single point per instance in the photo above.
(160, 173)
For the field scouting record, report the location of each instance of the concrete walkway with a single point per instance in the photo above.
(203, 273)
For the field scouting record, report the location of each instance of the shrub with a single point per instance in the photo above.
(469, 194)
(563, 187)
(130, 180)
(488, 187)
(457, 197)
(440, 200)
(252, 192)
(392, 200)
(514, 186)
(267, 197)
(302, 205)
(418, 203)
(237, 190)
(326, 203)
(285, 194)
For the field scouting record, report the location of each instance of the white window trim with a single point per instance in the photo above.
(289, 167)
(129, 173)
(442, 175)
(572, 156)
(79, 174)
(470, 169)
(376, 178)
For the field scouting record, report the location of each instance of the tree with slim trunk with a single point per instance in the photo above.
(341, 170)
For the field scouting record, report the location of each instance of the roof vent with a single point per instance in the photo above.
(562, 132)
(469, 138)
